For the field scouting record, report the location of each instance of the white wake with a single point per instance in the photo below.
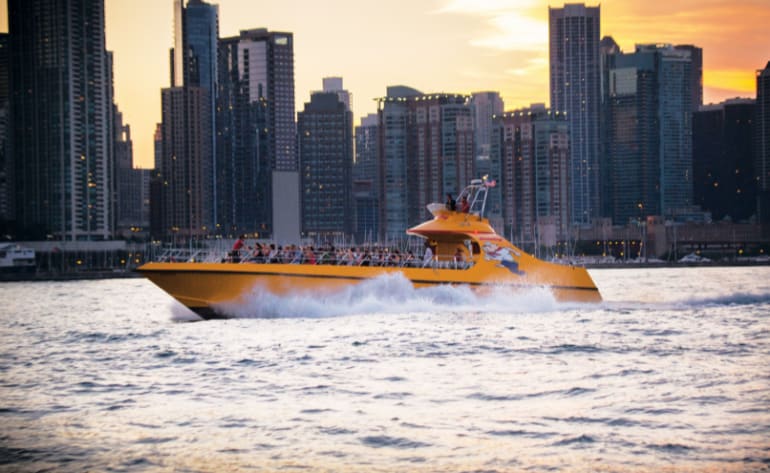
(388, 294)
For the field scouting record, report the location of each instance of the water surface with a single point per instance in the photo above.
(670, 373)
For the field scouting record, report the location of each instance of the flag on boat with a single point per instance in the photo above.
(491, 183)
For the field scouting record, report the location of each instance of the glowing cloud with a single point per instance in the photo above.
(512, 25)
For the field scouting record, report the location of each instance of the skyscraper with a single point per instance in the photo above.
(267, 64)
(365, 179)
(762, 140)
(188, 160)
(574, 81)
(6, 203)
(257, 134)
(185, 167)
(201, 30)
(244, 172)
(723, 159)
(649, 133)
(325, 129)
(485, 106)
(532, 147)
(60, 123)
(426, 151)
(392, 161)
(132, 184)
(696, 73)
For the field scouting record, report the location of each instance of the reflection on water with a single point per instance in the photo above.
(669, 373)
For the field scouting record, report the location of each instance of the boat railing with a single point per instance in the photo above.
(187, 255)
(447, 261)
(207, 255)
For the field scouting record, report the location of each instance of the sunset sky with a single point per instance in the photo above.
(457, 46)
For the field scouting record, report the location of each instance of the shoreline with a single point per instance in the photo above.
(73, 276)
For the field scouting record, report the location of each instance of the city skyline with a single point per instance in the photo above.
(454, 46)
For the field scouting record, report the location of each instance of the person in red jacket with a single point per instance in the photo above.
(235, 253)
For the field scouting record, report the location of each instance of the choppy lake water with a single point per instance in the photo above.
(670, 373)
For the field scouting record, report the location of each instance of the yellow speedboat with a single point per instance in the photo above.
(466, 250)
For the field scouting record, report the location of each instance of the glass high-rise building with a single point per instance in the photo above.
(256, 131)
(188, 159)
(696, 73)
(575, 83)
(486, 105)
(61, 119)
(185, 167)
(392, 161)
(365, 179)
(6, 203)
(762, 140)
(243, 163)
(325, 136)
(723, 160)
(426, 151)
(649, 135)
(267, 66)
(532, 147)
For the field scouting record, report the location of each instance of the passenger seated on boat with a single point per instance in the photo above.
(264, 253)
(328, 257)
(428, 258)
(451, 204)
(349, 257)
(272, 256)
(280, 255)
(409, 259)
(465, 207)
(255, 255)
(296, 254)
(355, 257)
(309, 256)
(459, 258)
(395, 258)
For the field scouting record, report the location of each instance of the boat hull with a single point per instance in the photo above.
(208, 288)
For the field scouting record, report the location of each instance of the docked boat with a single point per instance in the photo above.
(464, 250)
(15, 258)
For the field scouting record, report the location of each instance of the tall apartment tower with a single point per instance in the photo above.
(426, 151)
(200, 25)
(244, 171)
(325, 130)
(267, 65)
(723, 159)
(393, 162)
(532, 147)
(574, 82)
(61, 119)
(6, 203)
(486, 105)
(649, 135)
(696, 73)
(365, 179)
(609, 50)
(187, 166)
(256, 148)
(762, 140)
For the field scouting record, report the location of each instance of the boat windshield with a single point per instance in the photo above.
(476, 193)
